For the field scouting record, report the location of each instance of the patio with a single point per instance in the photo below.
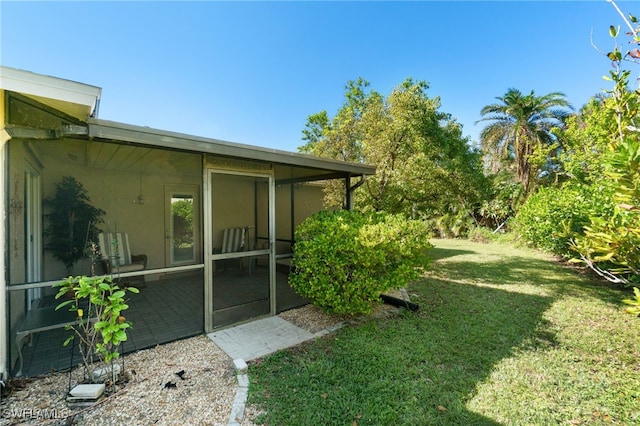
(165, 310)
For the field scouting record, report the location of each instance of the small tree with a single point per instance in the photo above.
(100, 327)
(72, 222)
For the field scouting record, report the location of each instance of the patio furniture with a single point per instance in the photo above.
(116, 257)
(234, 240)
(41, 319)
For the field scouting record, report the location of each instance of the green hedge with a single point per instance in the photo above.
(344, 260)
(554, 215)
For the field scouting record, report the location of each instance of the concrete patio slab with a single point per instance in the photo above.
(259, 338)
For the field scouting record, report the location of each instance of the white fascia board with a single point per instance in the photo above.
(30, 83)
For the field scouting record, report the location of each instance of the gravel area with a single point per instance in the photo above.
(154, 393)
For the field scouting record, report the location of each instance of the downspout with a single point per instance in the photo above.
(350, 189)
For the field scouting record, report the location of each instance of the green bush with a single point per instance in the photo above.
(344, 260)
(480, 234)
(550, 218)
(456, 223)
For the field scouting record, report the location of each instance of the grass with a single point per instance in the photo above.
(504, 336)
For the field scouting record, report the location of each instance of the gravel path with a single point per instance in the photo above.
(154, 394)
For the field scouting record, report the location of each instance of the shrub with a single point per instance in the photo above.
(456, 223)
(101, 326)
(634, 303)
(344, 260)
(550, 218)
(481, 234)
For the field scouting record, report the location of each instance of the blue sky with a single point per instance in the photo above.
(252, 72)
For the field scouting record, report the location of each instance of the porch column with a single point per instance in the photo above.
(348, 191)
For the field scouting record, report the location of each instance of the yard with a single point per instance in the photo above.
(504, 336)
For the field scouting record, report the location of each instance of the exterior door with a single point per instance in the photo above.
(239, 230)
(182, 225)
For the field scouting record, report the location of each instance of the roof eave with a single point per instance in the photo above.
(48, 87)
(111, 130)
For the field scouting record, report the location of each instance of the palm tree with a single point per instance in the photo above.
(520, 127)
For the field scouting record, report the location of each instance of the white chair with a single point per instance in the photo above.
(234, 240)
(116, 255)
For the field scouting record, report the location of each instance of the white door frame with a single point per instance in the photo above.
(33, 232)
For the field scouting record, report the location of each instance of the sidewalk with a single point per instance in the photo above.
(253, 340)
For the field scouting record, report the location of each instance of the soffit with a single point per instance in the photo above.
(289, 165)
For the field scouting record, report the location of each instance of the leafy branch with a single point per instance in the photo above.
(100, 325)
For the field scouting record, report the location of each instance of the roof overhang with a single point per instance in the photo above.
(120, 132)
(81, 101)
(76, 99)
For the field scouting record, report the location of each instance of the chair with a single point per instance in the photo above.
(233, 241)
(116, 255)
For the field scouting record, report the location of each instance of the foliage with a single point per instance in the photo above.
(611, 244)
(423, 163)
(521, 136)
(634, 302)
(100, 327)
(455, 223)
(72, 222)
(585, 141)
(344, 260)
(481, 234)
(553, 216)
(182, 213)
(504, 195)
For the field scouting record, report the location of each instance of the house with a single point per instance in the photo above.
(49, 129)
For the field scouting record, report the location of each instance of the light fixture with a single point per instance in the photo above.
(140, 198)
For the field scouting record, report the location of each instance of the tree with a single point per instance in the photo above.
(521, 135)
(339, 137)
(424, 164)
(72, 222)
(585, 141)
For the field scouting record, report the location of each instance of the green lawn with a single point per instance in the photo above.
(503, 336)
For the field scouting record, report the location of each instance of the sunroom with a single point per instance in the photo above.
(214, 220)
